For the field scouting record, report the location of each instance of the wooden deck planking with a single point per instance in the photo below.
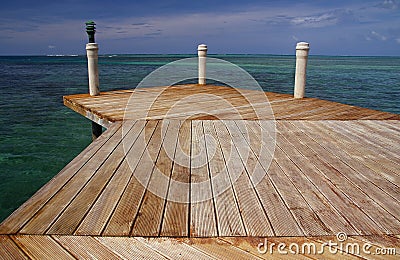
(140, 166)
(336, 171)
(130, 248)
(65, 194)
(308, 220)
(282, 221)
(253, 215)
(111, 106)
(174, 249)
(313, 186)
(340, 173)
(376, 192)
(315, 190)
(228, 216)
(368, 155)
(10, 250)
(85, 247)
(74, 213)
(176, 213)
(202, 212)
(330, 166)
(88, 247)
(343, 208)
(41, 247)
(380, 169)
(292, 198)
(24, 213)
(96, 219)
(149, 217)
(352, 134)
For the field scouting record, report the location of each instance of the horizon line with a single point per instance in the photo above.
(195, 54)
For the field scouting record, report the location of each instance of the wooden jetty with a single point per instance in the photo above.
(334, 170)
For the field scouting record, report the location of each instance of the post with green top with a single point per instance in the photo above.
(92, 50)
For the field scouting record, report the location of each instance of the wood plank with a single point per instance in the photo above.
(251, 245)
(333, 169)
(23, 214)
(96, 219)
(305, 217)
(173, 248)
(130, 248)
(124, 214)
(375, 192)
(73, 214)
(57, 203)
(149, 218)
(252, 212)
(41, 247)
(356, 130)
(376, 128)
(9, 250)
(111, 106)
(392, 125)
(176, 213)
(353, 132)
(293, 107)
(338, 173)
(282, 220)
(221, 250)
(332, 207)
(380, 167)
(323, 212)
(227, 211)
(202, 211)
(85, 247)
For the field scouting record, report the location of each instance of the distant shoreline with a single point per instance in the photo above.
(193, 54)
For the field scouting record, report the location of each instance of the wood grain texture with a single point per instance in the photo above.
(88, 247)
(212, 102)
(204, 162)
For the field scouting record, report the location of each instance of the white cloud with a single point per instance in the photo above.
(398, 40)
(378, 36)
(389, 4)
(325, 19)
(315, 21)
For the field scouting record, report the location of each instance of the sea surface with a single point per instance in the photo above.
(39, 136)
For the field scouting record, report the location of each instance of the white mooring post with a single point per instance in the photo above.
(302, 49)
(92, 52)
(202, 53)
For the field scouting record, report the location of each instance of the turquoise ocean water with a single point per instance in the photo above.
(39, 136)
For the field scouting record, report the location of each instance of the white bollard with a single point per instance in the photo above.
(302, 49)
(202, 53)
(92, 50)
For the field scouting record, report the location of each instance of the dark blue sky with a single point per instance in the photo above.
(350, 27)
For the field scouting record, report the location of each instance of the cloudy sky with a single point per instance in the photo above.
(332, 27)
